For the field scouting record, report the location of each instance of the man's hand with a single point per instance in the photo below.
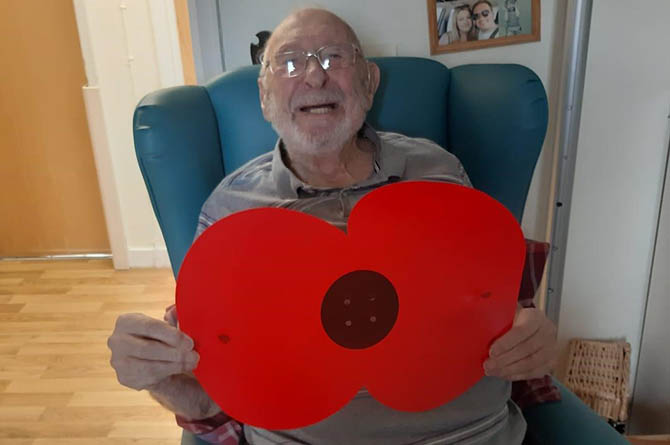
(146, 351)
(527, 351)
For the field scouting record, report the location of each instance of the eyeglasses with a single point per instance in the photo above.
(484, 13)
(330, 57)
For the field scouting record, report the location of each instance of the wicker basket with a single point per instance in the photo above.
(598, 373)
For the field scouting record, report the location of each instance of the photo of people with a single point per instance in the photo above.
(461, 22)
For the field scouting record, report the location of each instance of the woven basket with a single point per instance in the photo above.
(598, 373)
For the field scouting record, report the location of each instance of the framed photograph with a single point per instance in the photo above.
(461, 25)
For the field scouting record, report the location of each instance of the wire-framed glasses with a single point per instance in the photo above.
(330, 57)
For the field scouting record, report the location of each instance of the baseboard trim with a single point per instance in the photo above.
(153, 257)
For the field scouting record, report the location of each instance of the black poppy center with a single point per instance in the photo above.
(359, 309)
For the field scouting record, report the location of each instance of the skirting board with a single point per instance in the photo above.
(148, 257)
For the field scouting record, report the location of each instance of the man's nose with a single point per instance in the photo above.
(315, 75)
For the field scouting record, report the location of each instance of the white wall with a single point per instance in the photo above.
(130, 48)
(206, 39)
(620, 160)
(400, 27)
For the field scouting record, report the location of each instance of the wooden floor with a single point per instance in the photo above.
(56, 384)
(662, 439)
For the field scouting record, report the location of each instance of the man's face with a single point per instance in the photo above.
(317, 109)
(483, 16)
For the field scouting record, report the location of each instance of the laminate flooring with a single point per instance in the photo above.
(56, 384)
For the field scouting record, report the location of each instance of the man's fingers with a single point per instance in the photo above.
(146, 349)
(143, 326)
(525, 325)
(142, 374)
(161, 370)
(528, 350)
(543, 338)
(525, 365)
(524, 349)
(533, 366)
(170, 316)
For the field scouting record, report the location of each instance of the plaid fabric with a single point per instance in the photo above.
(536, 257)
(527, 393)
(219, 429)
(224, 430)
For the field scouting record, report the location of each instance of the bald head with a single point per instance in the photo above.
(320, 22)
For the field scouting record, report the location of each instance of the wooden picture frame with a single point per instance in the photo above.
(503, 22)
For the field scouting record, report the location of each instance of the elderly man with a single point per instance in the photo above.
(316, 88)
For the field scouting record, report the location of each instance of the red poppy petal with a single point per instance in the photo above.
(275, 367)
(260, 277)
(455, 257)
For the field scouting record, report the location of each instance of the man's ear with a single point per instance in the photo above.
(262, 93)
(372, 81)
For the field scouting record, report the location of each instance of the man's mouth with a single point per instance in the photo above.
(318, 109)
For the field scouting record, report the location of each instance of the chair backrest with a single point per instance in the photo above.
(411, 99)
(493, 117)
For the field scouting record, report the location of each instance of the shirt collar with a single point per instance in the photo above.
(388, 163)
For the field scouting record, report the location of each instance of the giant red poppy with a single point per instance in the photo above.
(292, 316)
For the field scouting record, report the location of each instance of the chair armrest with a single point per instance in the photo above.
(179, 153)
(569, 422)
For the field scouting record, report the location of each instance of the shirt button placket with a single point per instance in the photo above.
(343, 204)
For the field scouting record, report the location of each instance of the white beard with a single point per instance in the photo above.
(303, 142)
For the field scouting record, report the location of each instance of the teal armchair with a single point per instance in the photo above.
(493, 117)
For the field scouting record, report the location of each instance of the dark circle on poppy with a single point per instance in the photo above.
(360, 309)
